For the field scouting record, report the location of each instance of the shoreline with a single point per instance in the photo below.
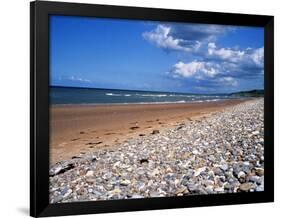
(78, 129)
(150, 103)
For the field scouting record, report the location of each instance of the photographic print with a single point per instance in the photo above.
(147, 109)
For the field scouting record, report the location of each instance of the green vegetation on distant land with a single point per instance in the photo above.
(250, 93)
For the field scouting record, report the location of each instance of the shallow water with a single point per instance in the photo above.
(70, 95)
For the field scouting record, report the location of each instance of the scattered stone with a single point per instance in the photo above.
(154, 194)
(255, 179)
(94, 143)
(55, 170)
(107, 175)
(57, 199)
(195, 152)
(137, 196)
(155, 131)
(218, 171)
(181, 190)
(260, 171)
(143, 161)
(125, 182)
(90, 173)
(60, 169)
(209, 189)
(242, 175)
(199, 171)
(192, 187)
(246, 186)
(69, 191)
(114, 192)
(219, 189)
(224, 167)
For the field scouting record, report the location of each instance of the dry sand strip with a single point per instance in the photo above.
(222, 153)
(79, 129)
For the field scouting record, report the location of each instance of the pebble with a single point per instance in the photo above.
(156, 131)
(154, 194)
(199, 171)
(219, 189)
(125, 182)
(195, 152)
(224, 167)
(255, 179)
(246, 186)
(260, 171)
(241, 174)
(90, 173)
(181, 190)
(137, 196)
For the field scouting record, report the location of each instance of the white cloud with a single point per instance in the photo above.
(198, 69)
(209, 73)
(194, 38)
(228, 81)
(162, 38)
(258, 56)
(225, 66)
(249, 56)
(225, 53)
(184, 37)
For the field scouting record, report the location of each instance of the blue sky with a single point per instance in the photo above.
(155, 56)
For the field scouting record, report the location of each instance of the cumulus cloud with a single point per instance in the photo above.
(228, 81)
(203, 72)
(225, 53)
(194, 38)
(257, 56)
(188, 37)
(249, 56)
(161, 38)
(198, 69)
(184, 37)
(223, 66)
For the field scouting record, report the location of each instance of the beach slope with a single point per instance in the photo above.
(220, 153)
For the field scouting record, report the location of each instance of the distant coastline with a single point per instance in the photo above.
(250, 93)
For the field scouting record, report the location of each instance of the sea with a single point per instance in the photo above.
(73, 95)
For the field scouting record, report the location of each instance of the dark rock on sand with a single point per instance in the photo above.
(155, 131)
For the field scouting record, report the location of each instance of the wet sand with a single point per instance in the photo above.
(77, 129)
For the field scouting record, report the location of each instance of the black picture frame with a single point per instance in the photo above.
(39, 107)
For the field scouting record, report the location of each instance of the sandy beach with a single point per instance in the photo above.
(78, 129)
(214, 148)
